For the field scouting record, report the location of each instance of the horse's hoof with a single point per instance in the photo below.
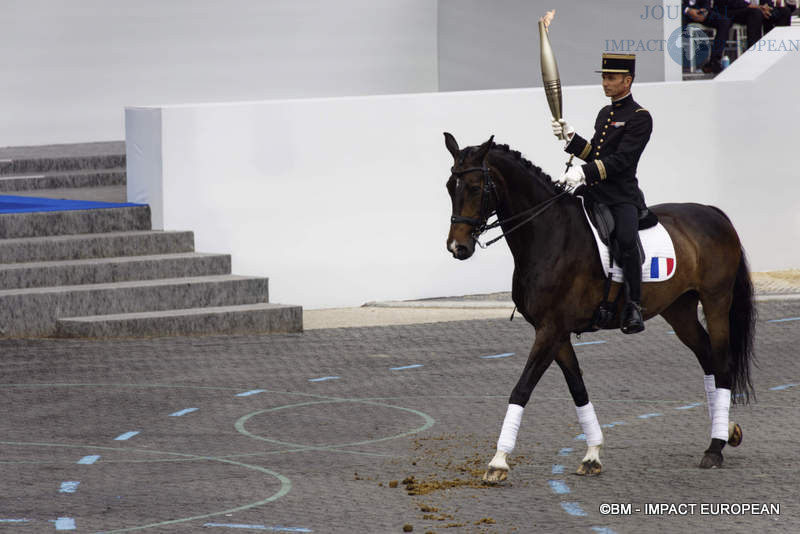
(711, 460)
(495, 475)
(734, 434)
(589, 468)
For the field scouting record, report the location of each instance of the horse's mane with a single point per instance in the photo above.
(528, 166)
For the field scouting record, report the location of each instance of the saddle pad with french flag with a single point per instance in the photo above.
(660, 264)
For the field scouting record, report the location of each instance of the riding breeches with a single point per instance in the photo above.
(626, 228)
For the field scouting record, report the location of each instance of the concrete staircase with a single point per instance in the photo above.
(103, 272)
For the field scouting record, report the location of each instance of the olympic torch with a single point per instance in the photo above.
(550, 77)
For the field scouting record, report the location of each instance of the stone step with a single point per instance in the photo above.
(104, 193)
(109, 270)
(42, 223)
(241, 319)
(33, 312)
(63, 180)
(22, 165)
(103, 245)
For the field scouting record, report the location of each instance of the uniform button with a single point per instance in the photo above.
(608, 120)
(612, 113)
(605, 127)
(603, 133)
(597, 153)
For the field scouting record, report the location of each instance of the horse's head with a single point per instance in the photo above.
(472, 194)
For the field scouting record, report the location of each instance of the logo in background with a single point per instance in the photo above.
(687, 43)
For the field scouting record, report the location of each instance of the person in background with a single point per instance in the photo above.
(700, 11)
(744, 12)
(777, 14)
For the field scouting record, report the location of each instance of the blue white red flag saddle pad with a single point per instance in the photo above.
(660, 263)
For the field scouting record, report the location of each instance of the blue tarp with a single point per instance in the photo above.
(14, 204)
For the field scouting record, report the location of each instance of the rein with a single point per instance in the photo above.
(479, 223)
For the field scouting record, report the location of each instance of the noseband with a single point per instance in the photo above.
(480, 223)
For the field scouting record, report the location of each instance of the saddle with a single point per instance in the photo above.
(603, 220)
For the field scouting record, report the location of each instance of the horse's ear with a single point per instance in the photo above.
(451, 144)
(484, 148)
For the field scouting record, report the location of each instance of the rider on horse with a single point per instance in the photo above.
(621, 131)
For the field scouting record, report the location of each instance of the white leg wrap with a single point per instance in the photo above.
(508, 434)
(711, 389)
(719, 421)
(588, 420)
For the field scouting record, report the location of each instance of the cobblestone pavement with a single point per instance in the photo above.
(329, 431)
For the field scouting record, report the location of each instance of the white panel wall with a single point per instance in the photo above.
(70, 67)
(495, 44)
(342, 201)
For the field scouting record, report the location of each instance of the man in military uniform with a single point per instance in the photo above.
(621, 132)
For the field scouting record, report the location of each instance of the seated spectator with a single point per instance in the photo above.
(754, 15)
(743, 12)
(699, 11)
(778, 14)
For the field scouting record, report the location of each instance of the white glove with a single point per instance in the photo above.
(562, 130)
(573, 177)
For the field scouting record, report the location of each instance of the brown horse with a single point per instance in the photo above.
(558, 283)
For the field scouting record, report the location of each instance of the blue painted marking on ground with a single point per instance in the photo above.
(414, 366)
(649, 415)
(183, 412)
(65, 523)
(784, 320)
(69, 487)
(573, 508)
(258, 527)
(612, 425)
(783, 386)
(671, 332)
(559, 486)
(251, 392)
(580, 437)
(565, 451)
(15, 520)
(495, 356)
(557, 469)
(89, 460)
(588, 343)
(603, 530)
(126, 435)
(689, 406)
(324, 378)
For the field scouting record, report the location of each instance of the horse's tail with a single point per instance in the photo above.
(742, 331)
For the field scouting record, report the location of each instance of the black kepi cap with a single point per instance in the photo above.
(619, 63)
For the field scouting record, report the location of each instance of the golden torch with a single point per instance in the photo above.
(550, 78)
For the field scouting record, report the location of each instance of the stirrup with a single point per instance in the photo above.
(632, 319)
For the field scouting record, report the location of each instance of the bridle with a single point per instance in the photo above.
(480, 224)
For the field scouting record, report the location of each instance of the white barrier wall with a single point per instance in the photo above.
(342, 201)
(70, 67)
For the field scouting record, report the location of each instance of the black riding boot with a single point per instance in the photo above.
(632, 320)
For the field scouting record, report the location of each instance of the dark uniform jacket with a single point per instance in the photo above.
(621, 132)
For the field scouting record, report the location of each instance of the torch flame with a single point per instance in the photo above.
(548, 18)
